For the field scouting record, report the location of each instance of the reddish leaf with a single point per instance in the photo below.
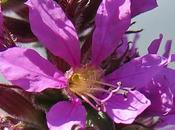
(12, 101)
(20, 29)
(13, 4)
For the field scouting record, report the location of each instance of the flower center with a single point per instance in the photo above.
(84, 79)
(87, 83)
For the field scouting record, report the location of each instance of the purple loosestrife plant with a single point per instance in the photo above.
(83, 82)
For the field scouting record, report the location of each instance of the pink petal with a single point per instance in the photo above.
(141, 6)
(112, 20)
(27, 69)
(138, 72)
(64, 115)
(155, 44)
(125, 110)
(55, 31)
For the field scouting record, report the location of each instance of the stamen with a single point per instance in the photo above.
(87, 100)
(98, 101)
(100, 90)
(110, 95)
(102, 83)
(87, 82)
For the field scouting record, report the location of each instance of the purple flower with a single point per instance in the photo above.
(152, 77)
(82, 83)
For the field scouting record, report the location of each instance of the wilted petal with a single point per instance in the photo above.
(125, 110)
(167, 48)
(64, 115)
(55, 31)
(155, 44)
(139, 71)
(124, 45)
(112, 20)
(27, 69)
(141, 6)
(133, 50)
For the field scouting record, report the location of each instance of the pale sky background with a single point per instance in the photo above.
(159, 20)
(154, 22)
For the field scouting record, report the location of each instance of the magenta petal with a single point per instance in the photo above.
(141, 6)
(158, 90)
(27, 69)
(155, 44)
(64, 115)
(112, 20)
(169, 74)
(55, 31)
(139, 71)
(125, 110)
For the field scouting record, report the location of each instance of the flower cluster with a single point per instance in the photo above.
(104, 73)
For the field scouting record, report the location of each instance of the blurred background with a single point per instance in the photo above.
(154, 22)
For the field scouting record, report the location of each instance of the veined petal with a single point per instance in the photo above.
(141, 6)
(27, 69)
(64, 115)
(54, 30)
(125, 110)
(139, 71)
(112, 20)
(159, 91)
